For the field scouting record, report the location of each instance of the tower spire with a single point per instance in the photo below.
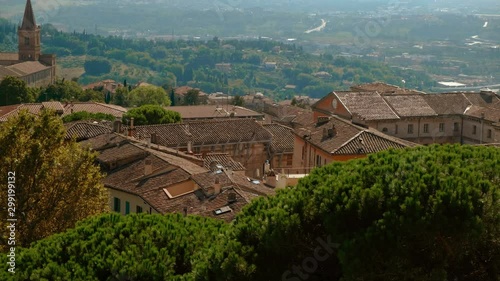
(29, 22)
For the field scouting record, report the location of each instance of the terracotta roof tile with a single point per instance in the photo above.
(481, 99)
(368, 105)
(490, 114)
(369, 142)
(205, 132)
(169, 170)
(94, 107)
(384, 88)
(283, 137)
(27, 67)
(345, 139)
(410, 105)
(85, 130)
(448, 103)
(223, 159)
(211, 111)
(53, 105)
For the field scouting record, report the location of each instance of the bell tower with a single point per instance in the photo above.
(29, 36)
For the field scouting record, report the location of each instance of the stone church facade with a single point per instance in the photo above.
(29, 64)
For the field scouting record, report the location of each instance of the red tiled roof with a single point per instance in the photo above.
(410, 105)
(85, 130)
(346, 136)
(490, 114)
(27, 67)
(223, 159)
(206, 132)
(383, 88)
(94, 107)
(369, 142)
(368, 105)
(283, 138)
(211, 111)
(447, 103)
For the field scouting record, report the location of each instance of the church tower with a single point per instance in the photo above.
(29, 36)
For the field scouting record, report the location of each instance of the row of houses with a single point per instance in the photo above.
(467, 118)
(213, 164)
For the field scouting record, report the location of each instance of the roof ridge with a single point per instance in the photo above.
(347, 142)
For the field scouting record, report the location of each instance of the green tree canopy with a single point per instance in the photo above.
(426, 213)
(192, 97)
(152, 114)
(14, 91)
(63, 90)
(56, 181)
(147, 95)
(238, 100)
(97, 67)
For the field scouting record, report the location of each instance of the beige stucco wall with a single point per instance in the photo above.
(133, 199)
(481, 126)
(308, 160)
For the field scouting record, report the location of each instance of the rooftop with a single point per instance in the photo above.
(340, 137)
(368, 105)
(214, 131)
(283, 138)
(410, 105)
(212, 111)
(63, 108)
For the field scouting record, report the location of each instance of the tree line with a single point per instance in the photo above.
(426, 213)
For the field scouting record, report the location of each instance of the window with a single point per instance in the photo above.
(318, 160)
(138, 209)
(396, 130)
(410, 128)
(116, 205)
(26, 41)
(303, 152)
(455, 127)
(489, 134)
(127, 207)
(384, 130)
(474, 129)
(441, 127)
(426, 128)
(289, 160)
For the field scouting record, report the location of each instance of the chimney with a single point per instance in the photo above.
(185, 209)
(332, 132)
(154, 138)
(131, 130)
(190, 147)
(217, 186)
(148, 167)
(117, 125)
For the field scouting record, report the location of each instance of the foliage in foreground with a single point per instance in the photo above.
(55, 181)
(428, 213)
